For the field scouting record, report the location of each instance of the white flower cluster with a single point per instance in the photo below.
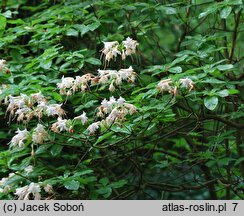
(66, 124)
(33, 189)
(39, 135)
(61, 125)
(4, 187)
(116, 77)
(113, 48)
(18, 139)
(112, 110)
(26, 107)
(166, 85)
(70, 85)
(110, 50)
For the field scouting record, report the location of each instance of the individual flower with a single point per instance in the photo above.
(39, 134)
(82, 117)
(4, 187)
(35, 190)
(130, 47)
(3, 181)
(61, 125)
(39, 98)
(187, 83)
(3, 64)
(48, 189)
(93, 127)
(110, 50)
(66, 83)
(127, 74)
(164, 85)
(130, 108)
(22, 193)
(18, 139)
(121, 101)
(54, 109)
(111, 87)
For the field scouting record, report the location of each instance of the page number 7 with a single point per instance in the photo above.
(235, 205)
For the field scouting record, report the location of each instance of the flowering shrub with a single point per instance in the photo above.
(100, 102)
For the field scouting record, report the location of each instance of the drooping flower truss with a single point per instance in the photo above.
(169, 86)
(39, 135)
(112, 111)
(24, 107)
(34, 190)
(69, 85)
(113, 48)
(18, 139)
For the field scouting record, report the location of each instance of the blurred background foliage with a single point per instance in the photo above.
(188, 146)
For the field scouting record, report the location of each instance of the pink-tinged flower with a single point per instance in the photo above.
(93, 127)
(126, 73)
(18, 139)
(22, 193)
(164, 85)
(39, 98)
(82, 117)
(60, 125)
(48, 189)
(130, 47)
(187, 83)
(39, 134)
(110, 50)
(121, 101)
(111, 87)
(131, 108)
(54, 109)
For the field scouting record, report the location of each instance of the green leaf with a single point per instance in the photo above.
(72, 185)
(56, 149)
(104, 181)
(118, 184)
(72, 32)
(93, 61)
(225, 12)
(93, 26)
(170, 10)
(225, 67)
(46, 64)
(3, 22)
(177, 69)
(103, 137)
(105, 191)
(239, 161)
(223, 93)
(211, 102)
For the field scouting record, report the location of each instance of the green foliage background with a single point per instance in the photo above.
(188, 146)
